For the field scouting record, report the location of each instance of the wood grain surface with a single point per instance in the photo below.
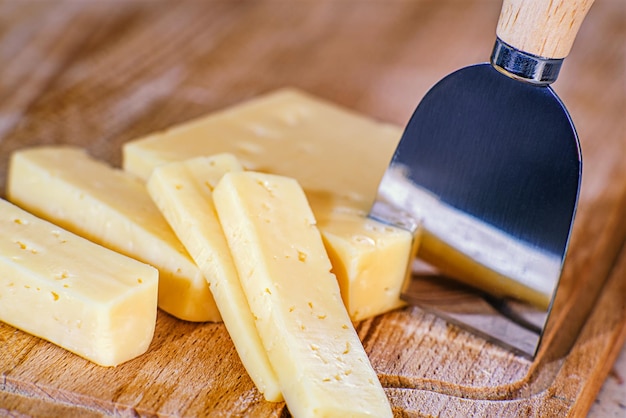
(97, 74)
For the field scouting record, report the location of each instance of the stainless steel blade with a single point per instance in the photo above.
(487, 173)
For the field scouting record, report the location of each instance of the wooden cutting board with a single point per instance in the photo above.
(97, 74)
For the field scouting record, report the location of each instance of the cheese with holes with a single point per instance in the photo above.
(287, 132)
(67, 187)
(284, 270)
(183, 193)
(63, 288)
(335, 154)
(369, 258)
(333, 151)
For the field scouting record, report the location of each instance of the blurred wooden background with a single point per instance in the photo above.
(99, 73)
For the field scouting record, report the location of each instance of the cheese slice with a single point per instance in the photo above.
(110, 207)
(63, 288)
(287, 132)
(183, 193)
(284, 270)
(370, 259)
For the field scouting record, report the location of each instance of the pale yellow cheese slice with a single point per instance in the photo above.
(288, 132)
(63, 288)
(64, 185)
(370, 259)
(183, 193)
(284, 270)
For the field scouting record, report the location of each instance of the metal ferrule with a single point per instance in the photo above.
(523, 66)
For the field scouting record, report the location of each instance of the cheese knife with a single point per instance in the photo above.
(487, 175)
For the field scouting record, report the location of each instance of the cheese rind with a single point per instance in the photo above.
(284, 270)
(183, 193)
(63, 288)
(67, 187)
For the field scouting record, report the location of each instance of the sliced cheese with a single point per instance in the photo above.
(183, 193)
(325, 147)
(63, 288)
(284, 270)
(370, 259)
(330, 150)
(108, 206)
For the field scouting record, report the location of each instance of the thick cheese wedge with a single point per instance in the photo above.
(284, 270)
(183, 192)
(83, 297)
(112, 208)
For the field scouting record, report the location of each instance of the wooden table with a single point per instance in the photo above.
(98, 74)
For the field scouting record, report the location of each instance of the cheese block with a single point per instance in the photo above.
(63, 288)
(370, 259)
(284, 270)
(287, 132)
(183, 193)
(110, 207)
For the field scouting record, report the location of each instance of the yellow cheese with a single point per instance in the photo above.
(370, 259)
(183, 193)
(284, 270)
(336, 155)
(454, 263)
(335, 152)
(287, 132)
(108, 206)
(83, 297)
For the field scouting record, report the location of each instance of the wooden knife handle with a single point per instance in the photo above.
(546, 28)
